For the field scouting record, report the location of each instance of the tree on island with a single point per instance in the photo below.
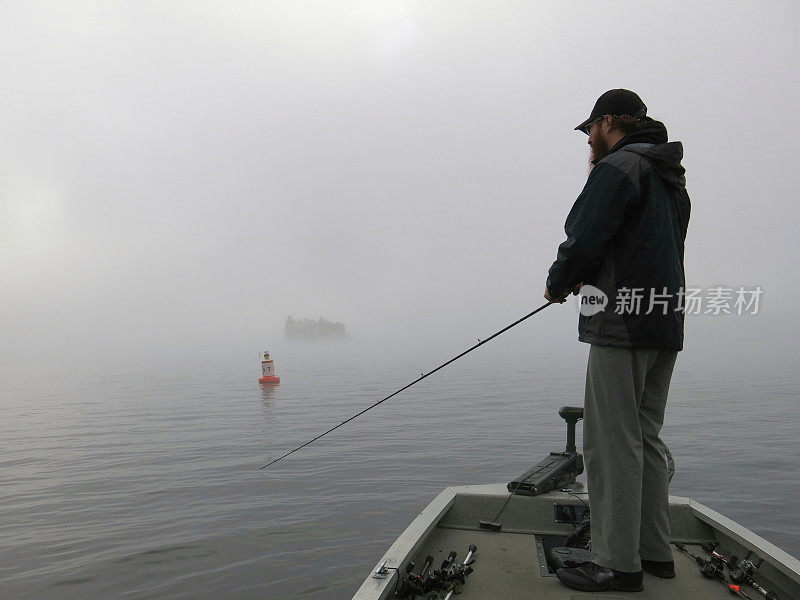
(312, 328)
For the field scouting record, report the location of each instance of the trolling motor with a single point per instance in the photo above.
(554, 472)
(557, 470)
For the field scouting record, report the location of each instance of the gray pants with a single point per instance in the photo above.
(626, 394)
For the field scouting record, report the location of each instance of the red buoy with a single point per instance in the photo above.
(268, 371)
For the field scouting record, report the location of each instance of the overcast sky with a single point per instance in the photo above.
(176, 173)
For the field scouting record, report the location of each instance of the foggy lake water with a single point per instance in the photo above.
(179, 177)
(143, 482)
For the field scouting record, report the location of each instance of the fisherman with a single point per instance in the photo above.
(625, 240)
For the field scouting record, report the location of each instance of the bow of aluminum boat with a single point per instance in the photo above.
(512, 563)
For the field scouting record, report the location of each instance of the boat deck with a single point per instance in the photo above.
(511, 564)
(508, 567)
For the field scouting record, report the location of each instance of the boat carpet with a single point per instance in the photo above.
(507, 568)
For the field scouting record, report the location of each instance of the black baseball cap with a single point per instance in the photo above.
(619, 103)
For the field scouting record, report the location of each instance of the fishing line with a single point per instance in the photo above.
(420, 378)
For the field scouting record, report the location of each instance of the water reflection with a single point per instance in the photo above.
(268, 393)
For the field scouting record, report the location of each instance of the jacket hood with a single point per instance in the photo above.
(666, 159)
(664, 156)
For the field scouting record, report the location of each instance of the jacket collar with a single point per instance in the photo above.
(653, 133)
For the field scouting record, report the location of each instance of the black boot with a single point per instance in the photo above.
(663, 569)
(590, 577)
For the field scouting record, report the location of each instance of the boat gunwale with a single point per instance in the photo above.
(405, 546)
(779, 559)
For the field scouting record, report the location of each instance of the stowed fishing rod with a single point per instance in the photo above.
(714, 568)
(741, 570)
(420, 378)
(446, 579)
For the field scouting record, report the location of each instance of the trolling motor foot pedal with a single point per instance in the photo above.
(557, 470)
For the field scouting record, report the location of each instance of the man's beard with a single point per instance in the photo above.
(598, 148)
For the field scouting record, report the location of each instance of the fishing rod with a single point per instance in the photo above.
(741, 571)
(420, 378)
(414, 583)
(714, 568)
(451, 576)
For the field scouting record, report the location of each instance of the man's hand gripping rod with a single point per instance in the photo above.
(420, 378)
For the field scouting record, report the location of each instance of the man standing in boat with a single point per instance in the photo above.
(625, 242)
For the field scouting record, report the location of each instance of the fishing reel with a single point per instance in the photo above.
(455, 574)
(439, 578)
(713, 568)
(418, 584)
(414, 584)
(742, 571)
(444, 580)
(459, 571)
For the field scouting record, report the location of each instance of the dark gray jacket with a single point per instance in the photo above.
(625, 236)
